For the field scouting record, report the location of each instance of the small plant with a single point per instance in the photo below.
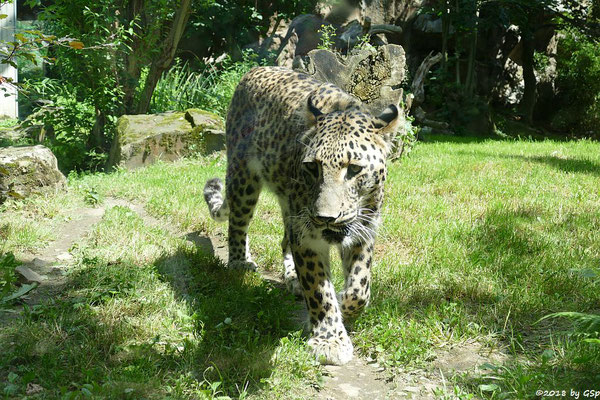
(406, 138)
(92, 197)
(327, 33)
(363, 42)
(67, 119)
(8, 263)
(587, 326)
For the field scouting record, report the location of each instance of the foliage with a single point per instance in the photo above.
(100, 69)
(452, 104)
(226, 26)
(68, 119)
(8, 263)
(210, 89)
(578, 84)
(405, 140)
(328, 35)
(587, 326)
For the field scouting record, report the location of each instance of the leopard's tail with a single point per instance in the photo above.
(217, 203)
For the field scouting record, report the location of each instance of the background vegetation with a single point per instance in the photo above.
(490, 236)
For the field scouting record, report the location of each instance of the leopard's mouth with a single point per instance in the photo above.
(334, 235)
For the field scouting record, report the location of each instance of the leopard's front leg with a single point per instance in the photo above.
(330, 341)
(356, 261)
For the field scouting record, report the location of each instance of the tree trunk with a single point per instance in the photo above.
(529, 93)
(445, 33)
(457, 48)
(96, 138)
(131, 75)
(470, 79)
(164, 60)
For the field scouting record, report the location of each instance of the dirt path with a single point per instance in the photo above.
(359, 379)
(51, 263)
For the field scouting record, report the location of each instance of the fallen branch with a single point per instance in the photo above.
(418, 83)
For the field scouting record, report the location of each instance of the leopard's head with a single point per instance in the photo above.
(344, 164)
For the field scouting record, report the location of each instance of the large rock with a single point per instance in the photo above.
(29, 169)
(372, 75)
(143, 139)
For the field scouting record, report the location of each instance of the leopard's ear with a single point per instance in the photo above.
(388, 122)
(312, 112)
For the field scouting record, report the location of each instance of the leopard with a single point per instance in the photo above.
(323, 154)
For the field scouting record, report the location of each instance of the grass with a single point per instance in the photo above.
(210, 89)
(480, 240)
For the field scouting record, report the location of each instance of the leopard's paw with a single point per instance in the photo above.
(335, 351)
(293, 286)
(243, 265)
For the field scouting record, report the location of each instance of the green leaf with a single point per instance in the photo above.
(12, 377)
(3, 16)
(22, 291)
(11, 389)
(492, 387)
(489, 366)
(547, 355)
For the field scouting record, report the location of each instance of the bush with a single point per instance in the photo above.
(578, 83)
(8, 263)
(67, 119)
(210, 89)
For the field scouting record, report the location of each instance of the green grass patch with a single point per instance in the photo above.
(480, 240)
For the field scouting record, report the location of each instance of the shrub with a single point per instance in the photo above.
(210, 89)
(578, 83)
(67, 119)
(7, 274)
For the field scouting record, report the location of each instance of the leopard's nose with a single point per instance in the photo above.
(325, 219)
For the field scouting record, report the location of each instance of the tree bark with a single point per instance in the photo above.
(457, 48)
(131, 75)
(470, 79)
(165, 58)
(445, 33)
(96, 138)
(529, 93)
(418, 83)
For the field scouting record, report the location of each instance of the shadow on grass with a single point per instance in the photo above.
(564, 164)
(238, 317)
(116, 331)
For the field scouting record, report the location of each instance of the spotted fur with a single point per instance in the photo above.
(323, 155)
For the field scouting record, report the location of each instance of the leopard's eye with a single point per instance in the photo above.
(311, 168)
(353, 170)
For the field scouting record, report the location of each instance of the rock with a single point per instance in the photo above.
(372, 75)
(302, 36)
(143, 139)
(28, 169)
(380, 12)
(29, 275)
(198, 117)
(33, 388)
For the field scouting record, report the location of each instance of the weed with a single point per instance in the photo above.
(328, 35)
(8, 263)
